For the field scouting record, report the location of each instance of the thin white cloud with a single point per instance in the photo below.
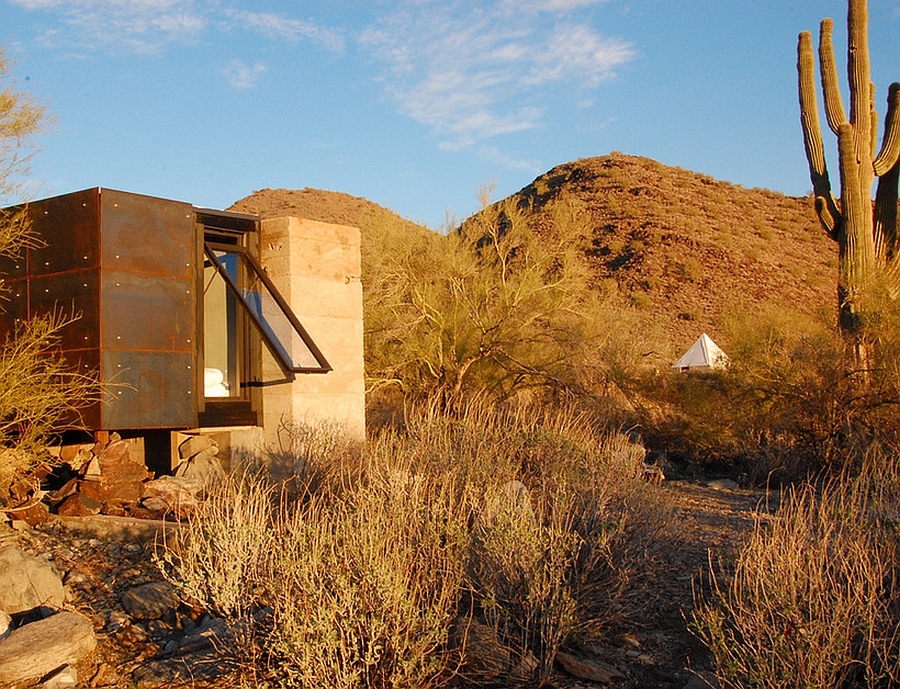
(472, 74)
(280, 27)
(492, 154)
(149, 25)
(242, 76)
(132, 25)
(534, 6)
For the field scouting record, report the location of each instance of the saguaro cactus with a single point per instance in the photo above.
(869, 251)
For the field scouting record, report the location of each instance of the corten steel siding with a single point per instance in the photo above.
(126, 264)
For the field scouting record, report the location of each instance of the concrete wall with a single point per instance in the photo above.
(316, 267)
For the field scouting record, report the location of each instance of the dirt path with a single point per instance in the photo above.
(709, 524)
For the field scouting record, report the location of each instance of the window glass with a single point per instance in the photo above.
(281, 330)
(221, 375)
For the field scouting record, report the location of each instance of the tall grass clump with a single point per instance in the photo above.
(365, 588)
(468, 547)
(814, 598)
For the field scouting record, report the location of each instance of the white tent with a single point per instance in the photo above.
(704, 355)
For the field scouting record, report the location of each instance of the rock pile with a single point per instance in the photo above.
(106, 479)
(38, 641)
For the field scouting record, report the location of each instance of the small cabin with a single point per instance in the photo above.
(197, 320)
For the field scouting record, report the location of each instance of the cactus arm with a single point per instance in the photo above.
(873, 124)
(886, 217)
(887, 168)
(855, 202)
(826, 208)
(890, 145)
(831, 92)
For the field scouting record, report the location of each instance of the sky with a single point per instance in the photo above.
(417, 105)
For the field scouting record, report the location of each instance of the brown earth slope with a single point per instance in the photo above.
(687, 249)
(684, 249)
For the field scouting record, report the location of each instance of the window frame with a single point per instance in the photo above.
(275, 347)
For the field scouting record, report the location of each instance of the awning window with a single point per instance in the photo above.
(279, 327)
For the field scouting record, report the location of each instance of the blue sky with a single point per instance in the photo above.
(415, 104)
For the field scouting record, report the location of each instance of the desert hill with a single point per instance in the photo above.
(321, 205)
(683, 249)
(687, 249)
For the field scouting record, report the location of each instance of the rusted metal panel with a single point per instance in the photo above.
(87, 362)
(69, 227)
(147, 312)
(13, 306)
(75, 295)
(146, 234)
(149, 389)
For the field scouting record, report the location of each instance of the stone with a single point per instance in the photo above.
(108, 491)
(588, 669)
(150, 601)
(66, 678)
(204, 467)
(37, 648)
(180, 493)
(184, 670)
(70, 487)
(79, 505)
(155, 504)
(92, 468)
(81, 460)
(6, 625)
(68, 452)
(196, 444)
(27, 582)
(117, 466)
(722, 484)
(34, 514)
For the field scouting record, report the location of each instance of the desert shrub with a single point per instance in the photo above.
(382, 571)
(365, 588)
(40, 391)
(492, 308)
(221, 559)
(779, 407)
(814, 597)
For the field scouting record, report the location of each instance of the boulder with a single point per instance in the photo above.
(112, 492)
(6, 625)
(116, 466)
(38, 648)
(150, 601)
(180, 493)
(27, 582)
(204, 467)
(79, 505)
(195, 445)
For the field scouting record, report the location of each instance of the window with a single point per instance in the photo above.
(242, 311)
(249, 287)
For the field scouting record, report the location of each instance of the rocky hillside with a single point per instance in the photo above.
(687, 249)
(682, 248)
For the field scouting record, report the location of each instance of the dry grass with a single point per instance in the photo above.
(374, 575)
(813, 600)
(40, 390)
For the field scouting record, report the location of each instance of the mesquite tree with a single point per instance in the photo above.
(869, 252)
